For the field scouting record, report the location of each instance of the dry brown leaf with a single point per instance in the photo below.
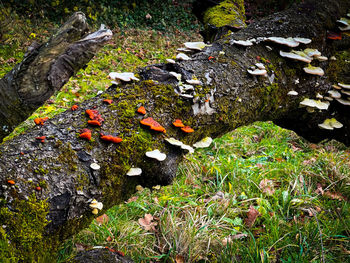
(267, 186)
(147, 223)
(335, 196)
(109, 239)
(319, 189)
(131, 199)
(252, 215)
(179, 259)
(103, 219)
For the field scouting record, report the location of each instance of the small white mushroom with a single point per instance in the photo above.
(290, 42)
(156, 154)
(260, 65)
(169, 60)
(95, 166)
(292, 93)
(336, 87)
(346, 92)
(125, 76)
(345, 86)
(174, 142)
(311, 52)
(344, 102)
(176, 75)
(314, 70)
(322, 58)
(328, 98)
(300, 57)
(321, 105)
(187, 147)
(95, 206)
(195, 45)
(330, 124)
(204, 143)
(194, 81)
(319, 96)
(182, 56)
(257, 72)
(302, 40)
(268, 48)
(334, 94)
(134, 172)
(333, 58)
(244, 43)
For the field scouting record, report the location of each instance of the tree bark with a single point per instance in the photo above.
(46, 69)
(228, 97)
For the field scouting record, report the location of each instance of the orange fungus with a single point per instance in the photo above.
(85, 134)
(40, 121)
(11, 182)
(74, 107)
(41, 138)
(178, 123)
(94, 115)
(187, 129)
(110, 138)
(94, 123)
(141, 110)
(108, 101)
(153, 124)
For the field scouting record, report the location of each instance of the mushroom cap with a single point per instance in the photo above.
(330, 124)
(169, 60)
(173, 141)
(302, 40)
(182, 56)
(156, 154)
(154, 125)
(344, 102)
(95, 166)
(187, 147)
(96, 205)
(244, 43)
(345, 24)
(322, 58)
(194, 81)
(346, 92)
(178, 123)
(311, 52)
(125, 76)
(301, 56)
(195, 45)
(314, 70)
(292, 93)
(260, 65)
(134, 172)
(290, 42)
(187, 129)
(176, 75)
(205, 142)
(257, 72)
(315, 104)
(334, 94)
(345, 86)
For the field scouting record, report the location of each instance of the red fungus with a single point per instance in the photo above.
(40, 121)
(41, 138)
(11, 182)
(21, 153)
(110, 138)
(74, 107)
(187, 129)
(94, 123)
(178, 123)
(85, 134)
(141, 110)
(94, 115)
(153, 124)
(108, 101)
(210, 58)
(334, 36)
(38, 188)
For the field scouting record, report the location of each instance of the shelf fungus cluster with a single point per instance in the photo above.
(134, 172)
(311, 104)
(180, 144)
(330, 124)
(156, 154)
(124, 76)
(95, 206)
(341, 93)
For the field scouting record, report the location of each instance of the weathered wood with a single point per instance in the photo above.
(46, 69)
(228, 97)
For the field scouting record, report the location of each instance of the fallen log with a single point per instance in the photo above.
(53, 187)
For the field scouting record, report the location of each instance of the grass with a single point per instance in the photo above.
(202, 216)
(258, 194)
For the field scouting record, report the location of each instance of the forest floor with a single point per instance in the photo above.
(257, 194)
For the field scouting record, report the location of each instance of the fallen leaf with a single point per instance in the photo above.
(179, 259)
(131, 199)
(267, 186)
(146, 222)
(319, 189)
(335, 196)
(81, 247)
(109, 239)
(103, 219)
(252, 215)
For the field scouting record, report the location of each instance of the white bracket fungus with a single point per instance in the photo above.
(257, 72)
(180, 144)
(314, 70)
(345, 24)
(302, 40)
(296, 55)
(95, 206)
(319, 96)
(334, 94)
(204, 143)
(194, 81)
(290, 42)
(169, 60)
(330, 124)
(125, 76)
(346, 92)
(181, 49)
(344, 102)
(321, 105)
(195, 45)
(182, 56)
(260, 65)
(345, 86)
(156, 154)
(311, 52)
(244, 43)
(176, 75)
(292, 93)
(95, 166)
(134, 172)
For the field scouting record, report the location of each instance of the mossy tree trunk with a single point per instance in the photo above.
(227, 98)
(45, 69)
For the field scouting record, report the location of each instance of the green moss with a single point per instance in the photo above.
(25, 224)
(68, 156)
(40, 170)
(228, 12)
(339, 69)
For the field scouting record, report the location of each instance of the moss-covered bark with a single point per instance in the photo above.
(227, 98)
